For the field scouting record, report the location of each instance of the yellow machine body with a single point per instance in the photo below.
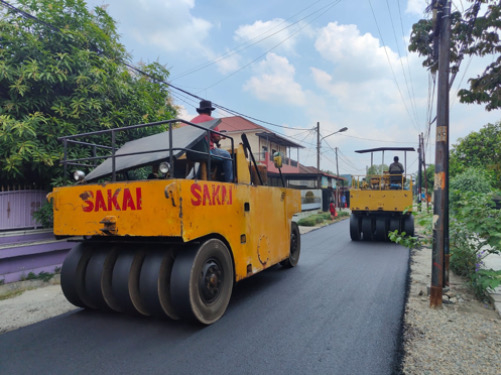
(378, 196)
(254, 221)
(160, 233)
(381, 203)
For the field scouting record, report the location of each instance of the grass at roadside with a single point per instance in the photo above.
(321, 218)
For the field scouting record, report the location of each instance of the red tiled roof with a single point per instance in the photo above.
(303, 169)
(237, 123)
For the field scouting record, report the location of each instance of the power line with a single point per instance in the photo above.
(397, 44)
(391, 68)
(375, 140)
(272, 48)
(252, 41)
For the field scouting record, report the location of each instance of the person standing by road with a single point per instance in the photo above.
(204, 114)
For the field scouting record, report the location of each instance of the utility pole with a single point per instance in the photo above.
(318, 157)
(425, 180)
(337, 181)
(440, 208)
(319, 140)
(420, 170)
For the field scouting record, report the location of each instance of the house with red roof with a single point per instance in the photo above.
(264, 143)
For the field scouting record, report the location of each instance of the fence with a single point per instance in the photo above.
(17, 207)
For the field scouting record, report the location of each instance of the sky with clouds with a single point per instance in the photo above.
(294, 63)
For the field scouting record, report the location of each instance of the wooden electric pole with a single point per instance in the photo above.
(440, 205)
(318, 157)
(420, 172)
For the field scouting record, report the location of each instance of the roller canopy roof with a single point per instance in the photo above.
(386, 149)
(152, 149)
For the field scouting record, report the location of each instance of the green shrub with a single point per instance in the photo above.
(319, 218)
(307, 222)
(44, 276)
(473, 179)
(474, 233)
(45, 215)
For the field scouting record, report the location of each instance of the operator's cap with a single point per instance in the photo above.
(205, 105)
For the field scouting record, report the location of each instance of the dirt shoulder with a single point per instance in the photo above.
(28, 302)
(462, 337)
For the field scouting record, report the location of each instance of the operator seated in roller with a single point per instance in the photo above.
(204, 114)
(396, 174)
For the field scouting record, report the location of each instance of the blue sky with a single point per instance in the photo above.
(294, 63)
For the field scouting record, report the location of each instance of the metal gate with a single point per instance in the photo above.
(17, 207)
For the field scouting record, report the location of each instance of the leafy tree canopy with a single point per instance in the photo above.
(65, 75)
(376, 170)
(473, 179)
(428, 175)
(479, 149)
(475, 32)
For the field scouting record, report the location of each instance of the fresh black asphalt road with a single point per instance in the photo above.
(338, 312)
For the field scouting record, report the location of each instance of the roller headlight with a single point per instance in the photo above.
(164, 167)
(78, 175)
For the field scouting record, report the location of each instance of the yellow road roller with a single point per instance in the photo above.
(381, 201)
(159, 233)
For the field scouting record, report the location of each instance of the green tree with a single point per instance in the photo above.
(480, 149)
(430, 177)
(376, 170)
(474, 33)
(65, 74)
(473, 179)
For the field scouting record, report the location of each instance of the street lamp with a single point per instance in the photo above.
(339, 131)
(318, 146)
(318, 155)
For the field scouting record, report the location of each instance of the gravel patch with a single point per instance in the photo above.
(462, 337)
(31, 302)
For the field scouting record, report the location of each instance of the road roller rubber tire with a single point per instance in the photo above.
(381, 233)
(295, 248)
(355, 228)
(367, 230)
(408, 226)
(202, 281)
(154, 283)
(73, 275)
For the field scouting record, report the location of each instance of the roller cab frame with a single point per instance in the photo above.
(161, 234)
(381, 203)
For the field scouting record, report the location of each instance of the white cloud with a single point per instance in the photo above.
(356, 57)
(228, 63)
(168, 25)
(269, 34)
(275, 81)
(417, 6)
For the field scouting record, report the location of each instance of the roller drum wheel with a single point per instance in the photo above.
(125, 281)
(202, 281)
(295, 248)
(73, 275)
(355, 227)
(98, 277)
(394, 224)
(381, 229)
(408, 226)
(154, 283)
(367, 229)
